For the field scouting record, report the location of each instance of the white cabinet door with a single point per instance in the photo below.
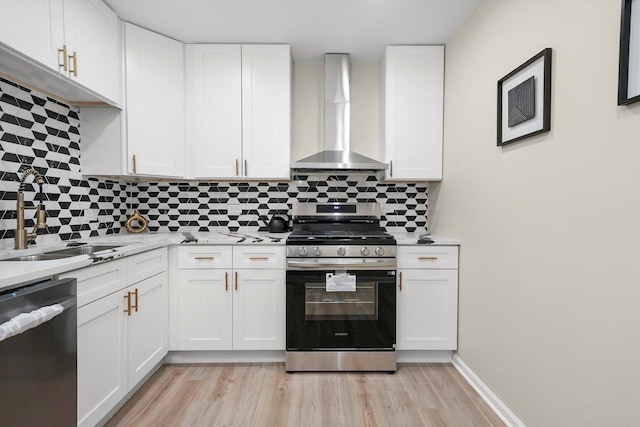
(155, 103)
(92, 40)
(102, 358)
(148, 326)
(34, 28)
(266, 111)
(427, 315)
(259, 310)
(204, 309)
(412, 109)
(214, 109)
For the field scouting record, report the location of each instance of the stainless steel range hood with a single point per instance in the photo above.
(337, 155)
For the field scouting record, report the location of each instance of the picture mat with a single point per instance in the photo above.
(536, 69)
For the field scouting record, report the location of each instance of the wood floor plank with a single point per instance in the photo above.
(264, 395)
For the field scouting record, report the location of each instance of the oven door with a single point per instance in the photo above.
(321, 318)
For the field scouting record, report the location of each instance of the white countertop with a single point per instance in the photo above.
(17, 272)
(412, 239)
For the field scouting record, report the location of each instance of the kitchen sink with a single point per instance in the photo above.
(68, 252)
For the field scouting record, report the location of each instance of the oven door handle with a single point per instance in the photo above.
(342, 264)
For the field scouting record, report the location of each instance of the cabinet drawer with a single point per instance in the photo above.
(204, 257)
(99, 280)
(433, 257)
(147, 264)
(259, 257)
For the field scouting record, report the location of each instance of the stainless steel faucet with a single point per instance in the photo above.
(22, 238)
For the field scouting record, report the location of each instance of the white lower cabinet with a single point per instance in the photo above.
(102, 358)
(122, 329)
(231, 298)
(427, 298)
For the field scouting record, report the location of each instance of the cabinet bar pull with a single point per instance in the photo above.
(134, 163)
(199, 258)
(259, 258)
(237, 167)
(236, 280)
(136, 294)
(75, 64)
(428, 258)
(390, 168)
(226, 281)
(63, 51)
(401, 281)
(128, 298)
(246, 167)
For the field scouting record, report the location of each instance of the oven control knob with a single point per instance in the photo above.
(364, 251)
(317, 251)
(342, 251)
(379, 251)
(302, 251)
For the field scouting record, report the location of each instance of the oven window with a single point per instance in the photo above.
(361, 304)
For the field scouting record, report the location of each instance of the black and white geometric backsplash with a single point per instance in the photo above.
(206, 206)
(40, 132)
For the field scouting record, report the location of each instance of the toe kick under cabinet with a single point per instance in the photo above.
(122, 329)
(427, 294)
(231, 298)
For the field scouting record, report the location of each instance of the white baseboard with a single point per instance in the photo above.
(423, 356)
(253, 356)
(494, 402)
(237, 356)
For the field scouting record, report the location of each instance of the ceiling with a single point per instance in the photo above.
(312, 27)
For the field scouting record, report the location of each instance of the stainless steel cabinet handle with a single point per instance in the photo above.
(401, 281)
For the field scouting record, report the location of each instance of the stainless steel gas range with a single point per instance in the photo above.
(341, 296)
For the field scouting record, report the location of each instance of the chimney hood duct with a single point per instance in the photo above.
(337, 155)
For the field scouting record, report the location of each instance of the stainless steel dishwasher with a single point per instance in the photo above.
(38, 354)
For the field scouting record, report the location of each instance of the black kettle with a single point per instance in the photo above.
(277, 224)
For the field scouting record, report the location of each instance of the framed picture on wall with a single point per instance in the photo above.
(629, 70)
(524, 100)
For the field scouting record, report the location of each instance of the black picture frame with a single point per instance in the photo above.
(629, 36)
(538, 121)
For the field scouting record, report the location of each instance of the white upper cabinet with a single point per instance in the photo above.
(238, 104)
(77, 38)
(412, 89)
(214, 109)
(93, 46)
(154, 103)
(34, 28)
(266, 111)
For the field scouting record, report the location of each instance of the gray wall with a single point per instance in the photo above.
(549, 283)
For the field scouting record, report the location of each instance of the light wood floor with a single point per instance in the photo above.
(265, 395)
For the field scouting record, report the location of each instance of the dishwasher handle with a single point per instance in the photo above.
(33, 305)
(25, 321)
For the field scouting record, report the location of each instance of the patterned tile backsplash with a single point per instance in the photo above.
(40, 132)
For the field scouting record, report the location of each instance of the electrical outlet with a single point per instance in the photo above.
(90, 215)
(234, 209)
(385, 208)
